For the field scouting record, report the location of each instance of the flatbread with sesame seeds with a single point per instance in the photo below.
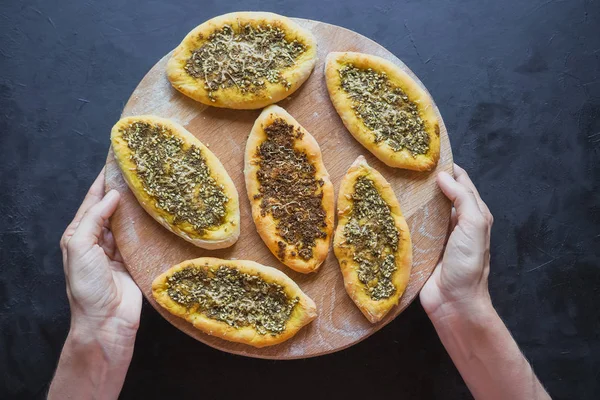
(384, 109)
(243, 60)
(177, 180)
(372, 242)
(236, 300)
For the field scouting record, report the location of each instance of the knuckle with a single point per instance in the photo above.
(482, 223)
(464, 195)
(71, 245)
(478, 222)
(467, 190)
(64, 241)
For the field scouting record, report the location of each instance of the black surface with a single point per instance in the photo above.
(518, 84)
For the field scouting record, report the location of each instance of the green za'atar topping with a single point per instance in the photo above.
(290, 190)
(236, 298)
(246, 58)
(372, 231)
(385, 109)
(176, 176)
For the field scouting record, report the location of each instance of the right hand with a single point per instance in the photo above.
(460, 281)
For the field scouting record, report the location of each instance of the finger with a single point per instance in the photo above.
(463, 198)
(461, 175)
(93, 196)
(463, 178)
(117, 256)
(90, 227)
(108, 244)
(453, 218)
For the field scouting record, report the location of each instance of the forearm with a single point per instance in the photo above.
(485, 354)
(93, 364)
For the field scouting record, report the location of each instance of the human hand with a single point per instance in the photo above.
(104, 299)
(460, 281)
(457, 301)
(105, 304)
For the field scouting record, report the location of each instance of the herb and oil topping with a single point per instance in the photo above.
(385, 109)
(290, 190)
(176, 176)
(246, 58)
(236, 298)
(372, 231)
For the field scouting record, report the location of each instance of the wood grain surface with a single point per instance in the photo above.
(148, 249)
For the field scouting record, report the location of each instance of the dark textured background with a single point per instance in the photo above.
(518, 84)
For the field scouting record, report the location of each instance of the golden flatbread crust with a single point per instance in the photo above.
(343, 105)
(266, 226)
(218, 237)
(374, 310)
(231, 97)
(304, 311)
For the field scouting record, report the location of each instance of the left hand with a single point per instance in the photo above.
(105, 304)
(104, 298)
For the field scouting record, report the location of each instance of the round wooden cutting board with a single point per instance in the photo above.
(149, 249)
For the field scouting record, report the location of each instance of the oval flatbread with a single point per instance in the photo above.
(177, 180)
(240, 301)
(384, 109)
(243, 60)
(289, 190)
(372, 242)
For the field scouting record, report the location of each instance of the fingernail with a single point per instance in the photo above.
(111, 194)
(445, 175)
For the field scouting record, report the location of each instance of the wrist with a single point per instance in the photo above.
(94, 360)
(484, 352)
(476, 309)
(468, 330)
(114, 337)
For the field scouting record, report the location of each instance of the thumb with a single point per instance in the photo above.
(89, 229)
